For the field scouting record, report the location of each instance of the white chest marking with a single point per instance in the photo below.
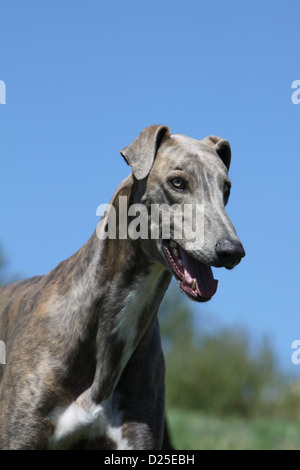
(74, 423)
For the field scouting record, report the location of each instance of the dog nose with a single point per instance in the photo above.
(229, 252)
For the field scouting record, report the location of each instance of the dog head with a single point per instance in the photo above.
(184, 185)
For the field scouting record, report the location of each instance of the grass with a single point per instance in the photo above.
(193, 430)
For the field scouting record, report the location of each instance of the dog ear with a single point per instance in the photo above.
(221, 146)
(140, 154)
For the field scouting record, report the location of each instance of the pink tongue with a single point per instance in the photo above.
(205, 283)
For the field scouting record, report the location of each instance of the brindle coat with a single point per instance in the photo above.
(85, 368)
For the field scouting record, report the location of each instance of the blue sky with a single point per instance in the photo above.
(83, 78)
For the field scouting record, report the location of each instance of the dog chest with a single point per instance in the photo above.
(99, 423)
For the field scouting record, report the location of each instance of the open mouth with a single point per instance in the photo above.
(195, 278)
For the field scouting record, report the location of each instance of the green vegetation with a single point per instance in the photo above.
(194, 430)
(223, 389)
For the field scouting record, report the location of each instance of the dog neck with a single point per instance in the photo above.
(113, 297)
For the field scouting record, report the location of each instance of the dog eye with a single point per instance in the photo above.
(178, 183)
(226, 192)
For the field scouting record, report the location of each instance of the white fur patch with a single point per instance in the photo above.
(74, 423)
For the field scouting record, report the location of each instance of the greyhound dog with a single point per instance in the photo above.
(84, 364)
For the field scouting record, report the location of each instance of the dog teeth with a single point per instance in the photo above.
(176, 252)
(194, 284)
